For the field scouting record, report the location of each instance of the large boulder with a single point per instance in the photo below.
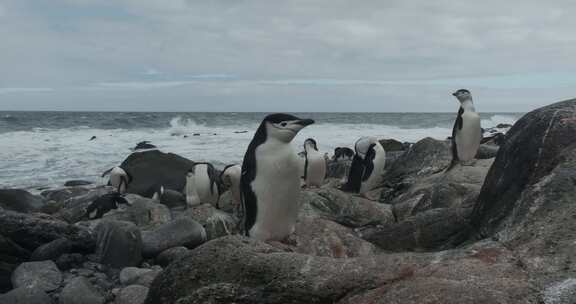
(20, 200)
(180, 232)
(43, 275)
(134, 294)
(246, 271)
(119, 244)
(527, 201)
(151, 168)
(146, 213)
(74, 207)
(535, 145)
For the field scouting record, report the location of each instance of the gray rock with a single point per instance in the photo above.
(74, 208)
(151, 168)
(63, 194)
(344, 208)
(25, 295)
(119, 244)
(487, 151)
(216, 223)
(20, 200)
(79, 290)
(147, 213)
(42, 275)
(52, 250)
(138, 276)
(391, 145)
(180, 232)
(170, 255)
(253, 272)
(33, 230)
(134, 294)
(320, 237)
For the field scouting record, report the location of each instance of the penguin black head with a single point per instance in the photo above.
(283, 127)
(462, 95)
(310, 143)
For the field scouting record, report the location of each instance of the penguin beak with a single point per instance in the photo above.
(455, 94)
(304, 122)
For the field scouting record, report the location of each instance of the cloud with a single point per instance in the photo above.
(254, 50)
(24, 90)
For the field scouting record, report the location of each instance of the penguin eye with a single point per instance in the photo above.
(283, 124)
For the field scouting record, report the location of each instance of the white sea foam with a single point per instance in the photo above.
(48, 157)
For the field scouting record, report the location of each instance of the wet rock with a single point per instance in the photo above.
(30, 231)
(151, 168)
(180, 232)
(41, 275)
(79, 290)
(134, 294)
(487, 151)
(146, 213)
(74, 208)
(391, 145)
(75, 183)
(19, 200)
(170, 255)
(52, 250)
(25, 295)
(119, 244)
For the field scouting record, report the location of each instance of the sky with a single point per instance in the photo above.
(289, 55)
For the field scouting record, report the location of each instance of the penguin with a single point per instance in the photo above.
(104, 204)
(343, 153)
(230, 177)
(315, 164)
(202, 184)
(270, 181)
(169, 198)
(467, 133)
(119, 179)
(367, 168)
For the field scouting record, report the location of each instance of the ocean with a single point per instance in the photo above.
(44, 149)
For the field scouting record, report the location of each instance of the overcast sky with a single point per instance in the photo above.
(285, 55)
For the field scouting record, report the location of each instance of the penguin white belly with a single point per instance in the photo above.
(202, 182)
(469, 137)
(277, 187)
(192, 198)
(377, 175)
(316, 170)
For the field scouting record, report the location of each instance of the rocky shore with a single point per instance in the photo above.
(501, 229)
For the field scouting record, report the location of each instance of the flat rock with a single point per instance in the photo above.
(138, 276)
(43, 275)
(216, 223)
(180, 232)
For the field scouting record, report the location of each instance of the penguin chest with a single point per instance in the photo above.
(276, 186)
(316, 169)
(468, 138)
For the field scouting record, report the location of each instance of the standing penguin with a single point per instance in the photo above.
(202, 185)
(467, 133)
(119, 179)
(270, 182)
(315, 164)
(230, 177)
(367, 168)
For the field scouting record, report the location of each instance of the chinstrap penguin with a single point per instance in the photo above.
(104, 204)
(119, 179)
(367, 168)
(270, 182)
(467, 133)
(230, 177)
(202, 186)
(343, 153)
(315, 164)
